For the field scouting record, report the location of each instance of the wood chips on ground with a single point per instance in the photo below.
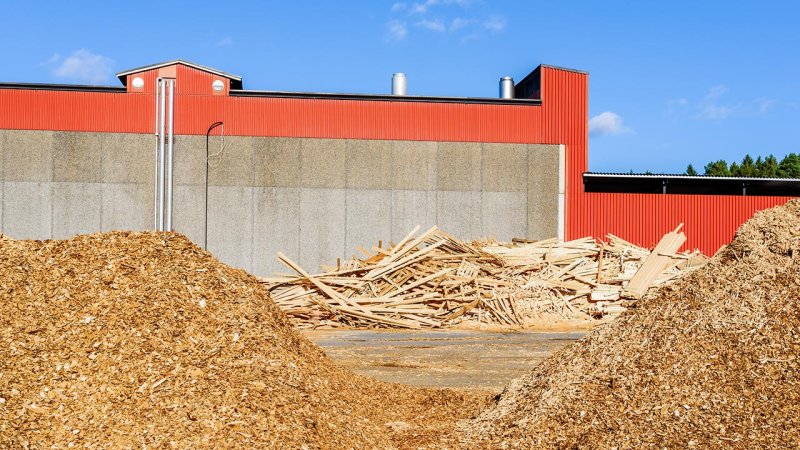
(143, 340)
(712, 361)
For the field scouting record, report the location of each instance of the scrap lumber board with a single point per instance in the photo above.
(655, 264)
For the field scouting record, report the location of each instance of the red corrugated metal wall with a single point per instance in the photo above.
(561, 119)
(710, 221)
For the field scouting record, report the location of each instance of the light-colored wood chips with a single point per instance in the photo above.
(711, 362)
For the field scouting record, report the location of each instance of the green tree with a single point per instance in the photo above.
(748, 167)
(770, 167)
(759, 166)
(691, 171)
(733, 170)
(789, 166)
(717, 169)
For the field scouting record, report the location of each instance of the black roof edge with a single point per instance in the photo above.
(680, 176)
(549, 66)
(386, 97)
(567, 69)
(63, 87)
(667, 184)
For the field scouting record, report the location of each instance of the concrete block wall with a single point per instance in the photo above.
(317, 199)
(313, 199)
(58, 184)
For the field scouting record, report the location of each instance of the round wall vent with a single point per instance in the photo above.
(138, 83)
(218, 85)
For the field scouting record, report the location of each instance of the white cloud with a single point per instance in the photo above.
(495, 24)
(85, 66)
(763, 105)
(397, 30)
(714, 106)
(421, 14)
(607, 123)
(224, 42)
(709, 106)
(422, 8)
(51, 60)
(459, 23)
(433, 25)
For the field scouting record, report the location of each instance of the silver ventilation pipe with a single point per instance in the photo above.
(507, 88)
(163, 155)
(171, 139)
(399, 84)
(156, 165)
(161, 171)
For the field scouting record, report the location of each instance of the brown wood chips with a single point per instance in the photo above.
(710, 362)
(143, 340)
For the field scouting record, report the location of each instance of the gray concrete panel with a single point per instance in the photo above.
(188, 212)
(414, 165)
(128, 158)
(322, 163)
(412, 208)
(459, 213)
(77, 157)
(2, 153)
(127, 206)
(277, 161)
(505, 167)
(459, 166)
(234, 165)
(230, 225)
(504, 215)
(369, 219)
(77, 209)
(28, 156)
(276, 228)
(368, 164)
(190, 158)
(27, 210)
(542, 191)
(322, 227)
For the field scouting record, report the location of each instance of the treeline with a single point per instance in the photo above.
(767, 167)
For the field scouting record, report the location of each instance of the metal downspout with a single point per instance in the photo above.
(168, 192)
(156, 165)
(161, 160)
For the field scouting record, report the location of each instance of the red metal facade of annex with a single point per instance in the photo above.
(562, 118)
(710, 221)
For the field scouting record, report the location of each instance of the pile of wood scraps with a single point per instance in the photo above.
(435, 280)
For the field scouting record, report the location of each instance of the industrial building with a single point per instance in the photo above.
(248, 173)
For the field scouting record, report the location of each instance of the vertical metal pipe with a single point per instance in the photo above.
(161, 161)
(155, 162)
(507, 88)
(399, 84)
(170, 139)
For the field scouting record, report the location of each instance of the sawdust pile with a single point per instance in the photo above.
(143, 340)
(711, 362)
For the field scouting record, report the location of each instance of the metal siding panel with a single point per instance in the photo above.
(76, 111)
(710, 221)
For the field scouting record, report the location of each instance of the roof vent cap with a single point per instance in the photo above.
(399, 84)
(506, 87)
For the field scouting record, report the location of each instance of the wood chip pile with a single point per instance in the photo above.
(713, 361)
(143, 340)
(435, 280)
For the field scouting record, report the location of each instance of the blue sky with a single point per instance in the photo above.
(670, 82)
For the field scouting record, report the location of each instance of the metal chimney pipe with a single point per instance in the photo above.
(399, 84)
(506, 87)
